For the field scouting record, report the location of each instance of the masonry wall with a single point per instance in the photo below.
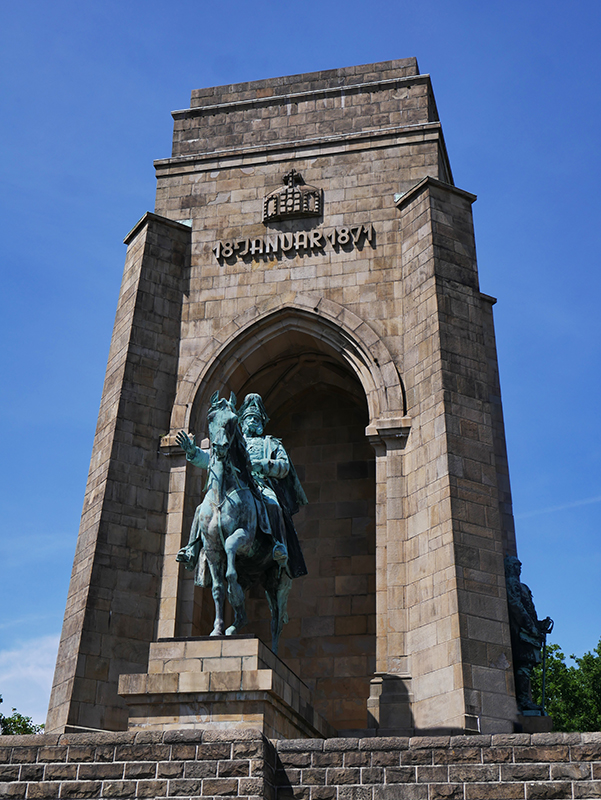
(367, 137)
(395, 324)
(112, 604)
(186, 764)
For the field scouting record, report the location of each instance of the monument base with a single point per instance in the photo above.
(389, 706)
(216, 683)
(535, 723)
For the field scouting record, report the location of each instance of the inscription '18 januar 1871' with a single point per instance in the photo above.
(280, 243)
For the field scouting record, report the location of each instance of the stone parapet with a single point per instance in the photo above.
(206, 764)
(136, 765)
(309, 82)
(303, 109)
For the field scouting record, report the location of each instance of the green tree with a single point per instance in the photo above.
(573, 691)
(17, 723)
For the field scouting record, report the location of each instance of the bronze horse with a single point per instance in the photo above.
(236, 551)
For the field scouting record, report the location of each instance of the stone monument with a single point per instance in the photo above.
(308, 245)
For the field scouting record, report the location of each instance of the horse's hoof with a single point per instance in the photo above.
(218, 632)
(231, 631)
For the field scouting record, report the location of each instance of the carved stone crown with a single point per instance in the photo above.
(296, 200)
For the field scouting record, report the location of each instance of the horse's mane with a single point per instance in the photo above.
(238, 454)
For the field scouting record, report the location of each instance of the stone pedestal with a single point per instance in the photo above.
(535, 723)
(389, 706)
(214, 683)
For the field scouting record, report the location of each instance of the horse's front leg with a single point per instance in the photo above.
(238, 539)
(189, 554)
(216, 561)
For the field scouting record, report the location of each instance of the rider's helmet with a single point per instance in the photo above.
(253, 407)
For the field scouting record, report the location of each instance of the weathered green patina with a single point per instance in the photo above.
(527, 634)
(242, 531)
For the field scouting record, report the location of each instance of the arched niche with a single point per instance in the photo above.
(317, 384)
(245, 340)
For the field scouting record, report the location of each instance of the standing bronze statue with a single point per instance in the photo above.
(527, 635)
(242, 532)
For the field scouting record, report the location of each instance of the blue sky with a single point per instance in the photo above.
(85, 101)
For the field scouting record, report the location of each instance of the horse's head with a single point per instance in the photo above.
(223, 420)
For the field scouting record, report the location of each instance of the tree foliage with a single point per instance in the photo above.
(17, 723)
(573, 691)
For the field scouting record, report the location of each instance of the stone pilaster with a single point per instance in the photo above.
(457, 626)
(112, 604)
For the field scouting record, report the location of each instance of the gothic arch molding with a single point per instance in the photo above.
(336, 327)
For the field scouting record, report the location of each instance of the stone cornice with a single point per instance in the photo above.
(148, 217)
(429, 181)
(366, 138)
(391, 431)
(296, 97)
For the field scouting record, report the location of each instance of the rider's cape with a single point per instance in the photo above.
(290, 495)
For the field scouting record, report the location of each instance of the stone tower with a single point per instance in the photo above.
(308, 243)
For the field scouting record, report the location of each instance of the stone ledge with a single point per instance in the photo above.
(428, 181)
(297, 97)
(41, 740)
(393, 432)
(186, 763)
(150, 217)
(340, 78)
(371, 135)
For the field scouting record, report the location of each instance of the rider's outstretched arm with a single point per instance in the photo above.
(195, 455)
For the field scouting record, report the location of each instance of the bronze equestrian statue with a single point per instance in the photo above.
(242, 532)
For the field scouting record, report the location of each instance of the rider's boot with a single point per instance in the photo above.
(280, 554)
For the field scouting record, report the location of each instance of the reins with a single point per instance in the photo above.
(227, 495)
